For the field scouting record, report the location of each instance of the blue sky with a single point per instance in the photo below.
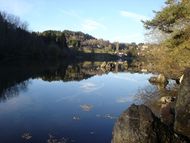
(114, 20)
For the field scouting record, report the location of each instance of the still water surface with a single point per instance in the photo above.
(82, 111)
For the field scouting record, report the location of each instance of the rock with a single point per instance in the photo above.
(135, 125)
(144, 70)
(167, 99)
(182, 109)
(167, 114)
(159, 79)
(139, 124)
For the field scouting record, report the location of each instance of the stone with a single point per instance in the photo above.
(167, 114)
(139, 125)
(135, 125)
(182, 109)
(144, 70)
(167, 99)
(159, 79)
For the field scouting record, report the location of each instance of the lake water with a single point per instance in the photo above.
(40, 108)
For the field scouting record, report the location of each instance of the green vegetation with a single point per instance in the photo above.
(173, 22)
(16, 42)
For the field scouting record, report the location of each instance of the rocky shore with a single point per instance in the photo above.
(138, 124)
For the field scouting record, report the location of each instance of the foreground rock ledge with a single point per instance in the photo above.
(139, 125)
(182, 109)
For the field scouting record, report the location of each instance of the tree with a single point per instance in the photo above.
(61, 40)
(14, 21)
(17, 42)
(173, 19)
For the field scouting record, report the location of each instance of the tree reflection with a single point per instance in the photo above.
(147, 95)
(13, 91)
(15, 78)
(156, 98)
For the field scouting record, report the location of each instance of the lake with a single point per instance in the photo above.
(65, 103)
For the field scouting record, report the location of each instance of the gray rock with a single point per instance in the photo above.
(139, 125)
(182, 109)
(161, 79)
(135, 125)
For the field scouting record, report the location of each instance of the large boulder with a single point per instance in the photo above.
(161, 79)
(182, 109)
(135, 125)
(139, 125)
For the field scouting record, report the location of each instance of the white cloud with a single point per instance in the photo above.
(89, 25)
(90, 87)
(132, 15)
(125, 78)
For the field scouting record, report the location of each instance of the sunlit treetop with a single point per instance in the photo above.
(173, 16)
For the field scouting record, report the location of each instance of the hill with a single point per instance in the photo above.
(17, 42)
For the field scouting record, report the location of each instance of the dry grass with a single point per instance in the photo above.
(169, 61)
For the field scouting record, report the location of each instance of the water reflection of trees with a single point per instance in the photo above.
(84, 70)
(13, 91)
(14, 78)
(147, 95)
(152, 96)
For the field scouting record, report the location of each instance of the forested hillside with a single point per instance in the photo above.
(17, 42)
